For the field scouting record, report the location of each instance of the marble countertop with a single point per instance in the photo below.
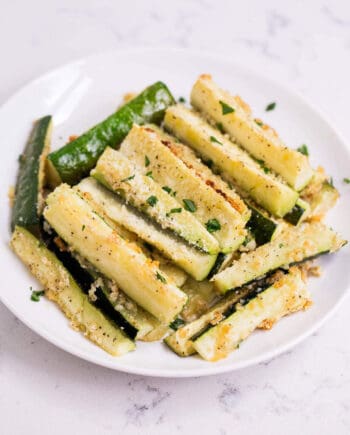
(307, 390)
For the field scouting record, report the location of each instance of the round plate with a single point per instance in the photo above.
(83, 93)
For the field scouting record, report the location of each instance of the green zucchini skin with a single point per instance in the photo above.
(298, 212)
(26, 207)
(294, 216)
(75, 160)
(262, 228)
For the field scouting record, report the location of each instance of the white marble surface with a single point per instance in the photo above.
(44, 390)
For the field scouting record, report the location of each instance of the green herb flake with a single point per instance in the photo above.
(263, 167)
(189, 205)
(161, 278)
(36, 295)
(149, 174)
(226, 109)
(147, 161)
(303, 150)
(167, 189)
(128, 178)
(182, 100)
(214, 140)
(270, 107)
(330, 181)
(176, 324)
(220, 127)
(281, 245)
(258, 122)
(346, 180)
(152, 200)
(83, 228)
(213, 225)
(174, 210)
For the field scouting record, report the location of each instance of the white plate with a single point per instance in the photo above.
(82, 93)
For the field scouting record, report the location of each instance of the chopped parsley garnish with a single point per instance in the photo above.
(128, 178)
(258, 122)
(226, 109)
(263, 167)
(189, 205)
(160, 277)
(270, 106)
(147, 161)
(175, 325)
(167, 189)
(330, 181)
(152, 200)
(213, 225)
(36, 295)
(346, 180)
(174, 210)
(214, 140)
(303, 150)
(83, 228)
(220, 127)
(281, 245)
(149, 174)
(182, 100)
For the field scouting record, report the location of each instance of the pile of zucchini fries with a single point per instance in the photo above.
(192, 225)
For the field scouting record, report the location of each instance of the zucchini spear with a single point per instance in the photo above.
(229, 158)
(292, 245)
(259, 140)
(28, 202)
(75, 160)
(285, 296)
(118, 259)
(196, 263)
(170, 171)
(61, 288)
(118, 174)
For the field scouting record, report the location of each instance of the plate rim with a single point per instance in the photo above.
(211, 369)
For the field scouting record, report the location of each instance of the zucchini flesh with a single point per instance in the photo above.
(28, 194)
(75, 160)
(168, 170)
(292, 245)
(78, 224)
(196, 263)
(181, 341)
(239, 167)
(285, 296)
(118, 174)
(61, 288)
(299, 212)
(260, 141)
